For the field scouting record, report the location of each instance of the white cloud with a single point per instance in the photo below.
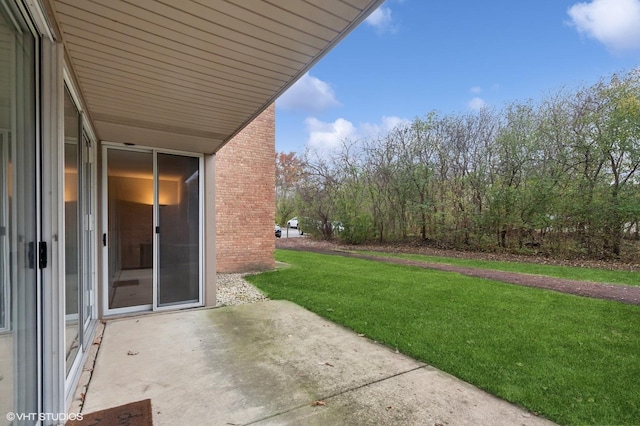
(381, 19)
(386, 125)
(309, 94)
(476, 104)
(476, 89)
(325, 137)
(328, 136)
(614, 23)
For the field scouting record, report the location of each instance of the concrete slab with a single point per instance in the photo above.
(266, 363)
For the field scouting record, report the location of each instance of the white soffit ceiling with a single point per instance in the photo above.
(190, 74)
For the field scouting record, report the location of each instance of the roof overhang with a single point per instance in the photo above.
(190, 74)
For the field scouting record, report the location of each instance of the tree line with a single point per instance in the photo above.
(558, 176)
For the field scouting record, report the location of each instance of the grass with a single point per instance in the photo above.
(572, 359)
(568, 272)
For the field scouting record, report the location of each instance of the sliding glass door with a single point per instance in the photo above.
(130, 236)
(178, 230)
(19, 232)
(72, 217)
(79, 241)
(4, 228)
(153, 245)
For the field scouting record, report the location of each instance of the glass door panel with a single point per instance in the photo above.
(72, 250)
(78, 232)
(18, 220)
(179, 230)
(130, 228)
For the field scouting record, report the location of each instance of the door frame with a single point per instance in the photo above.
(89, 234)
(106, 239)
(25, 250)
(4, 233)
(87, 245)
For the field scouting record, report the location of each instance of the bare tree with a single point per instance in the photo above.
(289, 174)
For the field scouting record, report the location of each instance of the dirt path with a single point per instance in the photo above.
(619, 293)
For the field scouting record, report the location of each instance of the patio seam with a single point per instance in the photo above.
(91, 360)
(364, 385)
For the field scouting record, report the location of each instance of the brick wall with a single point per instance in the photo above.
(245, 198)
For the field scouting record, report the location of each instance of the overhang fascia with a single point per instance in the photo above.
(343, 34)
(191, 75)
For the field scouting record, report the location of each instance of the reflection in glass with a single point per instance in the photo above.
(18, 257)
(71, 225)
(179, 238)
(130, 204)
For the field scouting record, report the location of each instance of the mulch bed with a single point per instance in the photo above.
(619, 293)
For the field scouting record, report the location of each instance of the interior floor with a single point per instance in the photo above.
(132, 287)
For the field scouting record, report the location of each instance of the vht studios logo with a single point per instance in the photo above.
(58, 417)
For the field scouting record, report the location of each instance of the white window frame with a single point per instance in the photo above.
(71, 380)
(6, 294)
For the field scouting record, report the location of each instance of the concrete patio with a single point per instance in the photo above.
(267, 364)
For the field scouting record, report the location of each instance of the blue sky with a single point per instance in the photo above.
(411, 57)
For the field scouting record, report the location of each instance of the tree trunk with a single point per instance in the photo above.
(503, 237)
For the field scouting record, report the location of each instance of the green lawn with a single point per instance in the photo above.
(574, 360)
(568, 272)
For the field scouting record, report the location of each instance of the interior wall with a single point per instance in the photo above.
(136, 242)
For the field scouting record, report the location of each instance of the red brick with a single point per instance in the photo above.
(245, 198)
